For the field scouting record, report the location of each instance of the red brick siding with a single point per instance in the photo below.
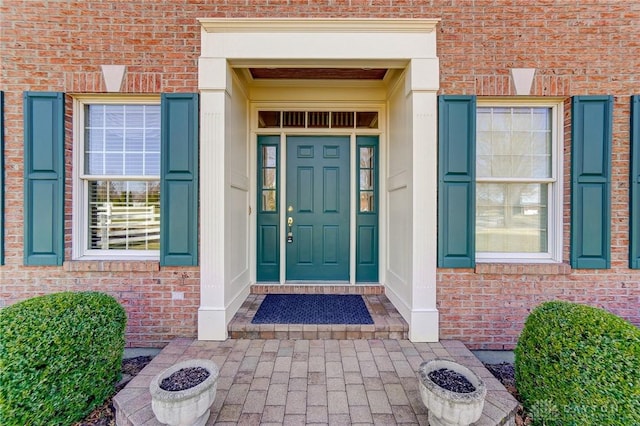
(577, 47)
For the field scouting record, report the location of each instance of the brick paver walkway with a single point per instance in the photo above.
(297, 382)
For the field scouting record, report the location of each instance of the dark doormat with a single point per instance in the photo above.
(312, 309)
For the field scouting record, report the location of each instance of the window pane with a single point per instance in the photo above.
(521, 118)
(134, 165)
(268, 201)
(95, 115)
(135, 140)
(293, 119)
(114, 164)
(521, 166)
(342, 119)
(483, 119)
(114, 140)
(151, 164)
(501, 143)
(122, 140)
(511, 218)
(500, 119)
(94, 163)
(366, 179)
(540, 119)
(152, 139)
(94, 139)
(520, 143)
(269, 154)
(124, 215)
(152, 117)
(134, 116)
(269, 178)
(114, 116)
(514, 142)
(501, 166)
(366, 120)
(318, 119)
(367, 201)
(366, 157)
(268, 119)
(483, 165)
(483, 143)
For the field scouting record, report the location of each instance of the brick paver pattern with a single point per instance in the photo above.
(297, 382)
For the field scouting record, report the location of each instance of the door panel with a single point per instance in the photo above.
(318, 192)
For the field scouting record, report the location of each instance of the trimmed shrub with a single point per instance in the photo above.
(579, 365)
(60, 357)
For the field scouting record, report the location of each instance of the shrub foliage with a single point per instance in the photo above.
(60, 357)
(579, 365)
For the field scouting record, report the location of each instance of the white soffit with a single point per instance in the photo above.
(282, 42)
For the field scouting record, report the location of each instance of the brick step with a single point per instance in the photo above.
(388, 324)
(317, 289)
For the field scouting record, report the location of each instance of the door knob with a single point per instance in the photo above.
(289, 221)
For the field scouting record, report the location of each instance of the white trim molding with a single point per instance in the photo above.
(280, 25)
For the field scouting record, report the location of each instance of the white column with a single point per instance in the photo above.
(212, 82)
(423, 84)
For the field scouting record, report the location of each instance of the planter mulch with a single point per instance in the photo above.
(185, 378)
(451, 381)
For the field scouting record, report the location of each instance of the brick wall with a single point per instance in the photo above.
(578, 47)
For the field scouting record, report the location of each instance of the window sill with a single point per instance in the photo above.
(112, 266)
(523, 268)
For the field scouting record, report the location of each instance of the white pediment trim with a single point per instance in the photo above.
(225, 25)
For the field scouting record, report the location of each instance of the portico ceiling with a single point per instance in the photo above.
(318, 73)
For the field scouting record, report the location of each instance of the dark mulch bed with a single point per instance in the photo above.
(105, 415)
(505, 373)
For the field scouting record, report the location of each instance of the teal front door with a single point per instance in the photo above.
(317, 210)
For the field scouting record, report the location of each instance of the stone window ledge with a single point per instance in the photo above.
(523, 268)
(112, 266)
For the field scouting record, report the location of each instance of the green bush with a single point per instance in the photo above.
(579, 365)
(60, 357)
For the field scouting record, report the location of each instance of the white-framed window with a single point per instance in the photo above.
(519, 180)
(116, 177)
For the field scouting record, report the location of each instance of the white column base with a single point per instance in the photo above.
(424, 325)
(212, 324)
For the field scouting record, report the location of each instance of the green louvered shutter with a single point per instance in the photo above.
(1, 178)
(456, 181)
(179, 180)
(634, 204)
(591, 127)
(43, 178)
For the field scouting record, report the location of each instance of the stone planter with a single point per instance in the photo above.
(189, 407)
(447, 408)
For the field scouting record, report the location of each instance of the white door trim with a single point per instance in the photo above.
(405, 44)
